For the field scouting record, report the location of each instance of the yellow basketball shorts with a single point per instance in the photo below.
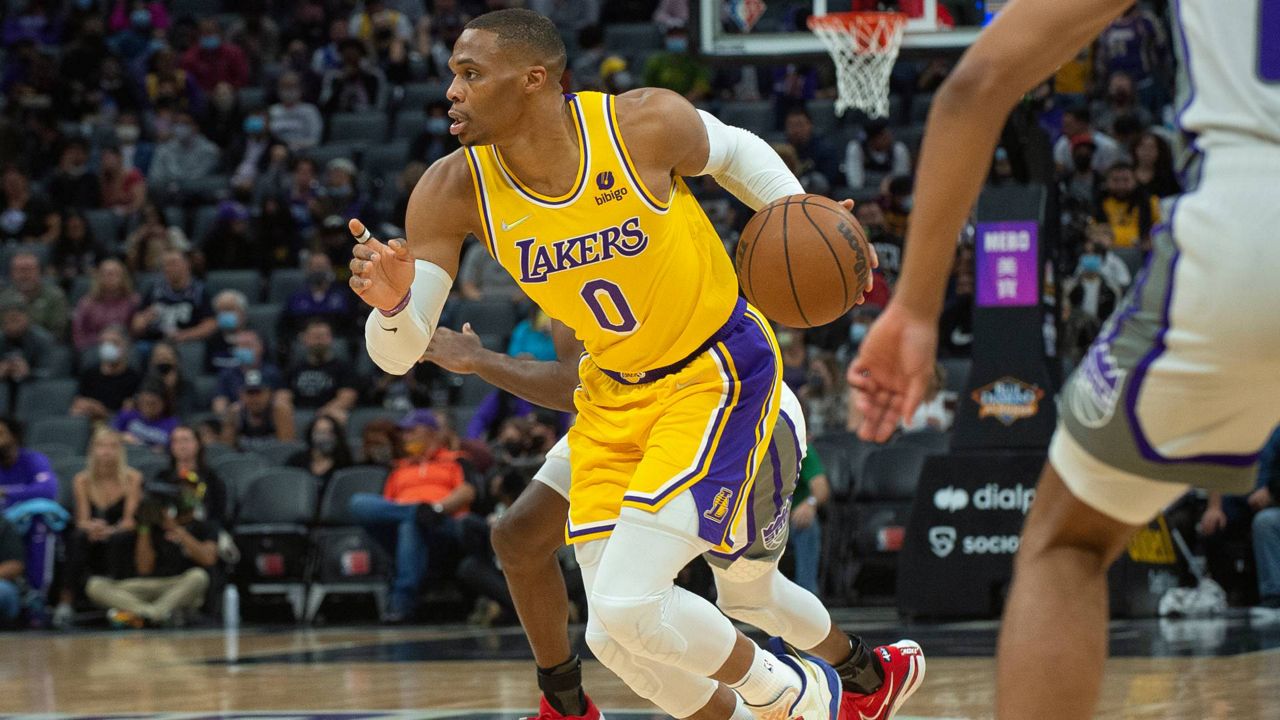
(702, 425)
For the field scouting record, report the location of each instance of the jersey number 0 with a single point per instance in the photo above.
(599, 295)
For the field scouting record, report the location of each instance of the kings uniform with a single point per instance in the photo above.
(680, 381)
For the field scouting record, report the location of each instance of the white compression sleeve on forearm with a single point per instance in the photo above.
(745, 165)
(397, 342)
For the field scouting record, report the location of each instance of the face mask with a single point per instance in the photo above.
(290, 96)
(324, 444)
(857, 332)
(127, 134)
(140, 18)
(182, 131)
(228, 320)
(380, 454)
(165, 368)
(254, 125)
(415, 448)
(109, 352)
(1091, 263)
(677, 44)
(438, 125)
(513, 447)
(319, 278)
(244, 356)
(210, 42)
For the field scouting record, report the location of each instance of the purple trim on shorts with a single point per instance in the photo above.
(1193, 150)
(1158, 347)
(592, 531)
(795, 443)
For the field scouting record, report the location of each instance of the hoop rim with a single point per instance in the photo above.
(846, 21)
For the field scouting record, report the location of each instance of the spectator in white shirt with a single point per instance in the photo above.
(296, 122)
(879, 154)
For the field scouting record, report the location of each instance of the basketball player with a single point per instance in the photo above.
(581, 199)
(749, 586)
(1179, 389)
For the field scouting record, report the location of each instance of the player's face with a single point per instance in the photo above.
(487, 91)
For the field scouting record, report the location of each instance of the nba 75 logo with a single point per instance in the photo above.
(604, 181)
(1008, 400)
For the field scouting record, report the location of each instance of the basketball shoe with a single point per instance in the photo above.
(546, 712)
(903, 664)
(819, 695)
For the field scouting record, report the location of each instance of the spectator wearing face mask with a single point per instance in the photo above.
(135, 151)
(380, 443)
(151, 419)
(106, 388)
(435, 141)
(248, 356)
(339, 195)
(163, 362)
(876, 156)
(321, 299)
(1130, 212)
(320, 380)
(1114, 270)
(296, 122)
(249, 153)
(1079, 180)
(327, 450)
(229, 310)
(1090, 301)
(184, 155)
(212, 60)
(258, 418)
(72, 185)
(677, 70)
(1077, 122)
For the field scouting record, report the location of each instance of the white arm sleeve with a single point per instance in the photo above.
(397, 342)
(745, 165)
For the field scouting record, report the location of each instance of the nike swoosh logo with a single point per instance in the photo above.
(507, 226)
(888, 697)
(387, 329)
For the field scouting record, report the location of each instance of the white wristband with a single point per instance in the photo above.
(396, 342)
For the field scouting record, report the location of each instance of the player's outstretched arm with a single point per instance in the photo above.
(1026, 43)
(549, 384)
(407, 281)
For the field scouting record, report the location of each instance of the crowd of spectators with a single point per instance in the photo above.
(175, 181)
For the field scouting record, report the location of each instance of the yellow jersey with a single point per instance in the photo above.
(643, 281)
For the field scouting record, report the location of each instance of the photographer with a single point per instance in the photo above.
(171, 555)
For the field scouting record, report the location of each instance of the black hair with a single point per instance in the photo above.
(525, 27)
(15, 427)
(798, 110)
(201, 466)
(341, 448)
(591, 36)
(1119, 165)
(1081, 112)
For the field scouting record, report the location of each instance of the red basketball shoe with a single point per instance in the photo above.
(546, 712)
(903, 664)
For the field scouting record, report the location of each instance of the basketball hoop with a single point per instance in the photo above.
(864, 46)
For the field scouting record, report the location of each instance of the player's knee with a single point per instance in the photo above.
(519, 540)
(637, 624)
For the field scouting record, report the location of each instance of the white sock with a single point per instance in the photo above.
(741, 711)
(766, 680)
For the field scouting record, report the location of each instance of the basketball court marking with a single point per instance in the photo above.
(480, 714)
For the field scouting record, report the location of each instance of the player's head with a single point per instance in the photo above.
(503, 61)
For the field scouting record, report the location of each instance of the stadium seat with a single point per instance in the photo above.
(150, 466)
(248, 282)
(71, 431)
(842, 454)
(474, 390)
(957, 370)
(79, 288)
(202, 222)
(252, 99)
(283, 283)
(235, 469)
(53, 450)
(138, 454)
(417, 95)
(45, 398)
(344, 559)
(386, 159)
(271, 532)
(363, 416)
(891, 473)
(278, 453)
(104, 226)
(825, 120)
(210, 188)
(301, 419)
(755, 115)
(632, 36)
(410, 123)
(206, 388)
(365, 128)
(264, 319)
(66, 468)
(497, 317)
(191, 357)
(934, 441)
(331, 151)
(214, 451)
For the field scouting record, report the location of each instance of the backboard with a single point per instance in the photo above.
(759, 29)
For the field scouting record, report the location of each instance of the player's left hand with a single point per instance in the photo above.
(875, 259)
(894, 365)
(381, 274)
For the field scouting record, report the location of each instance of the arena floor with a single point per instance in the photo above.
(1221, 668)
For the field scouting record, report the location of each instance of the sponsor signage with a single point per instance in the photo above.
(1008, 400)
(1006, 264)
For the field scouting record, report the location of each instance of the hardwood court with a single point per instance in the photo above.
(1183, 669)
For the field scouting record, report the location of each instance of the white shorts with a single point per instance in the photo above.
(1182, 386)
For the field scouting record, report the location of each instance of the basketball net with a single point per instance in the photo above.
(864, 46)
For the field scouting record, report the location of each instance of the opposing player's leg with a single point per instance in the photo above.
(1178, 389)
(526, 540)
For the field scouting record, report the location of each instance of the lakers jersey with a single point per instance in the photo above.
(643, 281)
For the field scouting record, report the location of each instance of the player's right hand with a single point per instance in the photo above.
(454, 351)
(381, 274)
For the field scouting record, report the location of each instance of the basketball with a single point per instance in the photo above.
(803, 260)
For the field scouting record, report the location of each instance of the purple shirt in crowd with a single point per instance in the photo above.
(28, 478)
(154, 433)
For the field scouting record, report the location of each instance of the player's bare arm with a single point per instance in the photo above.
(406, 281)
(549, 384)
(1026, 43)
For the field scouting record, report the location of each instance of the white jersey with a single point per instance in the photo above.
(1229, 91)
